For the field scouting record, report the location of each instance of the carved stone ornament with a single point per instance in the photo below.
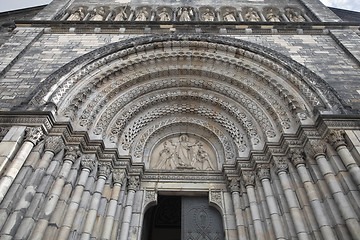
(72, 153)
(150, 197)
(249, 178)
(336, 138)
(297, 156)
(133, 183)
(263, 172)
(280, 164)
(215, 197)
(315, 147)
(34, 134)
(88, 161)
(118, 175)
(104, 169)
(234, 185)
(54, 144)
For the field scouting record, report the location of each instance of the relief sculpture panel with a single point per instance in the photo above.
(183, 152)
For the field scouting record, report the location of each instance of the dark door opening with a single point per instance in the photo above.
(182, 218)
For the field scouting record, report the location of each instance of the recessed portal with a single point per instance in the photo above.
(178, 218)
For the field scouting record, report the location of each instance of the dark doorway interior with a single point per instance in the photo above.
(163, 221)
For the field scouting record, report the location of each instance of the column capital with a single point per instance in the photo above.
(234, 184)
(88, 161)
(263, 172)
(297, 156)
(118, 175)
(72, 153)
(104, 169)
(34, 134)
(280, 164)
(315, 147)
(336, 138)
(133, 183)
(54, 144)
(249, 178)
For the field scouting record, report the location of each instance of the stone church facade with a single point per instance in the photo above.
(129, 119)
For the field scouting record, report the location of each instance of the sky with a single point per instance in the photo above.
(8, 5)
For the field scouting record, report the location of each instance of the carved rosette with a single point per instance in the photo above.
(249, 179)
(104, 169)
(72, 153)
(118, 175)
(336, 138)
(88, 161)
(315, 148)
(133, 183)
(54, 144)
(34, 134)
(234, 185)
(297, 156)
(280, 164)
(263, 172)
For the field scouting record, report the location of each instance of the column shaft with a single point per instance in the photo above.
(124, 232)
(240, 225)
(255, 214)
(350, 164)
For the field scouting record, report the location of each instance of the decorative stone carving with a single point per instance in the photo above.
(72, 153)
(215, 197)
(336, 138)
(78, 15)
(133, 183)
(164, 15)
(99, 14)
(263, 172)
(280, 164)
(294, 15)
(121, 15)
(229, 16)
(142, 14)
(234, 185)
(208, 15)
(251, 15)
(104, 169)
(88, 161)
(54, 144)
(249, 178)
(183, 153)
(297, 156)
(315, 147)
(272, 16)
(118, 175)
(34, 134)
(185, 14)
(150, 197)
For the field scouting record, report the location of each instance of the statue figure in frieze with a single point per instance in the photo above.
(294, 15)
(252, 15)
(121, 16)
(271, 16)
(164, 15)
(99, 14)
(142, 15)
(229, 16)
(185, 14)
(78, 15)
(201, 159)
(208, 15)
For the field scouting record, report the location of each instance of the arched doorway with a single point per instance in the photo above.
(182, 217)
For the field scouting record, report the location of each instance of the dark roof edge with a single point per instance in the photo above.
(22, 10)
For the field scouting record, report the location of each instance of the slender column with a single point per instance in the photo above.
(119, 208)
(133, 185)
(316, 149)
(319, 212)
(87, 164)
(118, 177)
(264, 175)
(337, 140)
(33, 135)
(49, 206)
(53, 145)
(104, 171)
(235, 192)
(249, 181)
(281, 167)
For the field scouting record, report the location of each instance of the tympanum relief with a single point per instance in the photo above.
(183, 152)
